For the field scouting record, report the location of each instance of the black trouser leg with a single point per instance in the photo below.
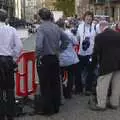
(89, 79)
(2, 105)
(55, 86)
(70, 80)
(45, 90)
(78, 76)
(67, 90)
(84, 64)
(10, 101)
(49, 85)
(7, 86)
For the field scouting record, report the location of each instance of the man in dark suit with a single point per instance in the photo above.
(106, 54)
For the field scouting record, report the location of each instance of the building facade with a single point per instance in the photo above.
(49, 4)
(30, 7)
(99, 7)
(9, 6)
(107, 7)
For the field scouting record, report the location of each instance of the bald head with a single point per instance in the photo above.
(103, 25)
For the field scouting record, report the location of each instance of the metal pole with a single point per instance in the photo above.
(109, 7)
(24, 7)
(118, 13)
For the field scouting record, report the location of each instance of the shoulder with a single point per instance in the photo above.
(98, 37)
(12, 29)
(110, 32)
(81, 25)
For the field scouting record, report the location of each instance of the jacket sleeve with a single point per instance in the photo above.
(96, 52)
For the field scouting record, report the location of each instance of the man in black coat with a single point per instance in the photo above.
(106, 54)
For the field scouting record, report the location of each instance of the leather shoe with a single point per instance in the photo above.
(97, 108)
(112, 107)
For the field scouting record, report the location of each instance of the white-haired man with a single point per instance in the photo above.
(106, 54)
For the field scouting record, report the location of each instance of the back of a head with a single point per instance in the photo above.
(3, 15)
(104, 23)
(61, 23)
(45, 14)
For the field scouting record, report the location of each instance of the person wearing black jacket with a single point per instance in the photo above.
(106, 54)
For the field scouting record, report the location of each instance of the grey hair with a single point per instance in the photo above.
(103, 23)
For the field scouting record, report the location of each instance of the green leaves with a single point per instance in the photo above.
(67, 6)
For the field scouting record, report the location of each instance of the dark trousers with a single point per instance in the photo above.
(7, 97)
(48, 73)
(67, 89)
(84, 64)
(7, 102)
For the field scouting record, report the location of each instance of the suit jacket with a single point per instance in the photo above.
(107, 51)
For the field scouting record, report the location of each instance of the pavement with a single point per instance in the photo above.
(75, 109)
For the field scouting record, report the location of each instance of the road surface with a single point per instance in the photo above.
(74, 109)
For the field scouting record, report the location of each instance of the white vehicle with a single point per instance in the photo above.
(105, 17)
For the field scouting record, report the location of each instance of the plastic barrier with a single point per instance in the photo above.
(77, 47)
(26, 57)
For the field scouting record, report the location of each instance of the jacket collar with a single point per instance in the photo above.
(106, 28)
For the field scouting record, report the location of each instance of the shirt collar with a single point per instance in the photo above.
(87, 25)
(105, 28)
(2, 24)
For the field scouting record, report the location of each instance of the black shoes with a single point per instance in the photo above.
(8, 118)
(47, 113)
(97, 108)
(93, 106)
(112, 107)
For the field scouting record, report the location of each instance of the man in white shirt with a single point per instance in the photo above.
(10, 49)
(86, 33)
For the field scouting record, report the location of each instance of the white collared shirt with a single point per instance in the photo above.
(10, 43)
(84, 31)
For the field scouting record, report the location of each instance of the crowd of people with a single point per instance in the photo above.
(92, 69)
(73, 57)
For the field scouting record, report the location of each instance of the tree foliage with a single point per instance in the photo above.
(67, 6)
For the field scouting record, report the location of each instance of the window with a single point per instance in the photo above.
(100, 1)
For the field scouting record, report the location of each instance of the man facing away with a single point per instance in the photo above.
(10, 48)
(106, 54)
(48, 47)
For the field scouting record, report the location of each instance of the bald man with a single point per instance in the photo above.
(106, 54)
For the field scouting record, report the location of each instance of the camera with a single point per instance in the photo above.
(86, 43)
